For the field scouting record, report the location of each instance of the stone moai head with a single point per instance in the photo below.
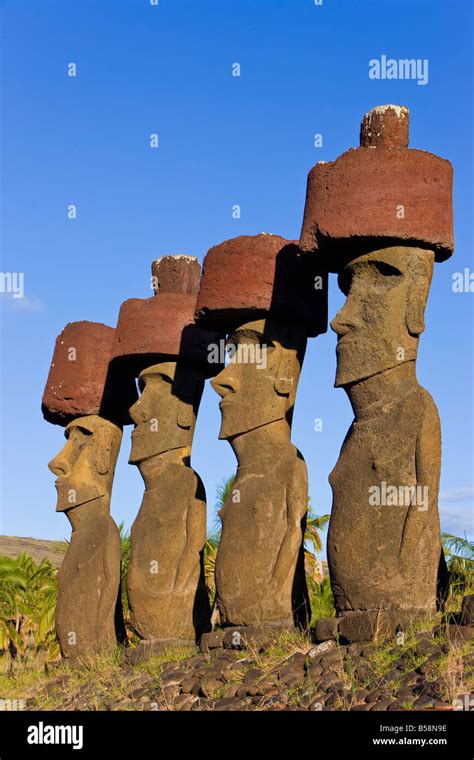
(379, 216)
(268, 298)
(170, 394)
(85, 466)
(158, 342)
(80, 391)
(259, 384)
(380, 323)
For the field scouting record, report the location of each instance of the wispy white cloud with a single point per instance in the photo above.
(457, 520)
(9, 303)
(459, 494)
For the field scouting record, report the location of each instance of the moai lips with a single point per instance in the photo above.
(384, 550)
(158, 341)
(78, 391)
(269, 299)
(382, 193)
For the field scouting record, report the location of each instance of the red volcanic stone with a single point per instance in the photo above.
(386, 127)
(160, 327)
(357, 200)
(176, 274)
(79, 382)
(252, 276)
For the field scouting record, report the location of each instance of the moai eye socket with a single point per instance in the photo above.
(78, 434)
(387, 269)
(164, 378)
(344, 280)
(230, 351)
(386, 275)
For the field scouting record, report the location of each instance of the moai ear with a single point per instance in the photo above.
(102, 443)
(283, 385)
(420, 274)
(185, 415)
(284, 381)
(184, 387)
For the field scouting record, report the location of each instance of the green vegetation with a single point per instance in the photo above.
(28, 595)
(459, 553)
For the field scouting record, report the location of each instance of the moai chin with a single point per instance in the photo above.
(268, 299)
(78, 392)
(158, 342)
(384, 548)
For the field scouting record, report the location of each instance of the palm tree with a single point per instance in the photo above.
(210, 553)
(12, 582)
(223, 490)
(321, 599)
(314, 524)
(459, 553)
(28, 594)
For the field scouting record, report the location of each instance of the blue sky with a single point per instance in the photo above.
(223, 140)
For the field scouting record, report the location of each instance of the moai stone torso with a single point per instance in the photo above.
(87, 612)
(268, 299)
(165, 579)
(78, 393)
(379, 216)
(260, 561)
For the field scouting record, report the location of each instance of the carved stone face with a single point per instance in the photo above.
(165, 413)
(258, 386)
(379, 325)
(85, 466)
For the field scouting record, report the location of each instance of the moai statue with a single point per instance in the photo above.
(268, 299)
(379, 216)
(158, 342)
(82, 395)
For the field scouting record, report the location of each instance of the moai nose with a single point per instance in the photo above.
(337, 325)
(342, 322)
(225, 382)
(59, 466)
(136, 412)
(385, 127)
